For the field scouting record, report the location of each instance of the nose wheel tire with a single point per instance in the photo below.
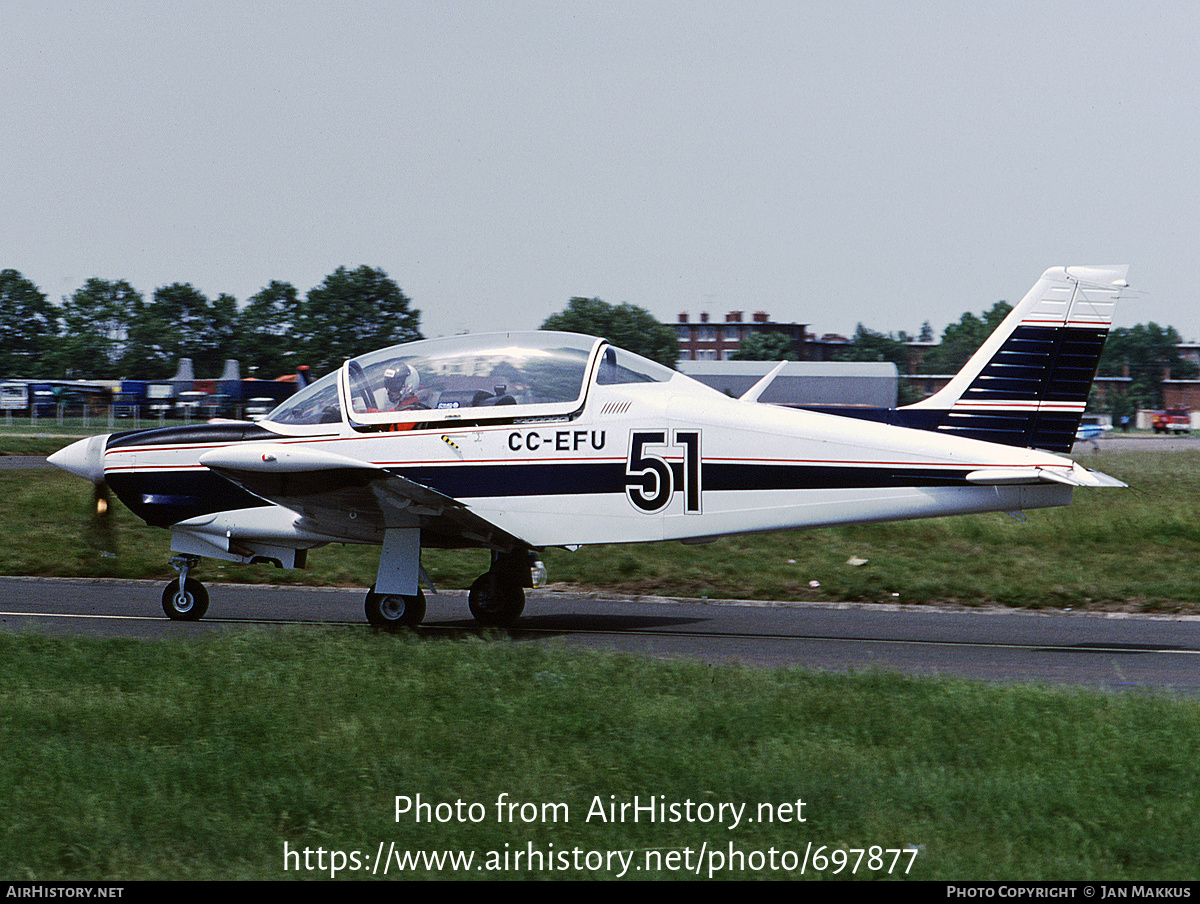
(186, 603)
(393, 610)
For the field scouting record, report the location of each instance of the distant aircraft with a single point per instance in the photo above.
(1090, 433)
(514, 442)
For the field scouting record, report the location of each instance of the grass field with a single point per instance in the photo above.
(202, 760)
(212, 759)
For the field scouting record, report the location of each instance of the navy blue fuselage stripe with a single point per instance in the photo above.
(166, 498)
(190, 434)
(161, 499)
(604, 477)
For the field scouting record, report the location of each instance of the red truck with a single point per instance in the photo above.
(1172, 420)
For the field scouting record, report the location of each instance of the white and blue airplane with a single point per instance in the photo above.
(1089, 433)
(514, 442)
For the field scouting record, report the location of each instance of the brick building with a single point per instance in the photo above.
(705, 340)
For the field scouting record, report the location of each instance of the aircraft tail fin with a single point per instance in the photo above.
(1029, 382)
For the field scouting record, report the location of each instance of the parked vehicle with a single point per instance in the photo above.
(1172, 420)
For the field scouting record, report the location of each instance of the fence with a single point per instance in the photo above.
(121, 417)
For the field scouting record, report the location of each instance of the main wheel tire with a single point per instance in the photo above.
(393, 610)
(186, 604)
(496, 602)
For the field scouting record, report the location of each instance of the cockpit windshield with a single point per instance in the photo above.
(317, 403)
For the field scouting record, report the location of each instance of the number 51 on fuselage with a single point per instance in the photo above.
(514, 442)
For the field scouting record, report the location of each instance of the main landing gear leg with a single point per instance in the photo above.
(497, 597)
(399, 570)
(185, 598)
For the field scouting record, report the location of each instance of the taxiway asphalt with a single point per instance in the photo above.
(1102, 650)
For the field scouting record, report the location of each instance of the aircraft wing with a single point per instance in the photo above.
(346, 497)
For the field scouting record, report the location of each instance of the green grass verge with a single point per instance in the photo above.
(129, 760)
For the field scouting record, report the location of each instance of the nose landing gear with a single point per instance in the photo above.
(185, 598)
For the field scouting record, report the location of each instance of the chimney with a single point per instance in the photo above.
(733, 317)
(704, 317)
(761, 317)
(683, 318)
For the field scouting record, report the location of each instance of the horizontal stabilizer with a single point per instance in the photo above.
(1074, 476)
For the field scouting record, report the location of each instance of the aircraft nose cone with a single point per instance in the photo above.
(84, 458)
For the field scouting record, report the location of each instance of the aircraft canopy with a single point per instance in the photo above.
(472, 377)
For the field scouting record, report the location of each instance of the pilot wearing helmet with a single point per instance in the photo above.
(401, 383)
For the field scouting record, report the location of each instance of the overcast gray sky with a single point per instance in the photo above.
(831, 163)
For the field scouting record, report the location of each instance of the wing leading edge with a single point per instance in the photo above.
(348, 498)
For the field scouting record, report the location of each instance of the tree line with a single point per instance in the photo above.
(108, 330)
(1146, 354)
